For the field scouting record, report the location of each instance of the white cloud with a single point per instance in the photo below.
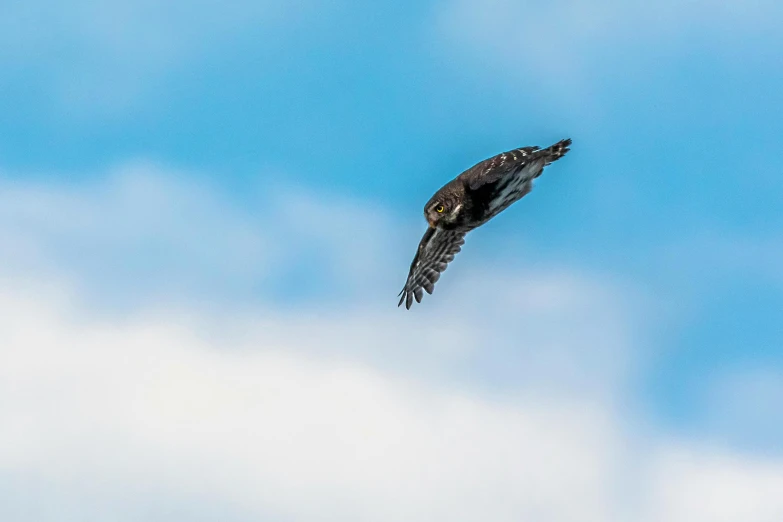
(137, 231)
(263, 425)
(155, 406)
(696, 483)
(339, 410)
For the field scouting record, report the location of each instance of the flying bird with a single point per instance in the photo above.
(468, 201)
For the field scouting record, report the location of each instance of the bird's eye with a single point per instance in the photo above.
(439, 209)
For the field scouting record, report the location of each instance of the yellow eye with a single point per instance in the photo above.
(439, 209)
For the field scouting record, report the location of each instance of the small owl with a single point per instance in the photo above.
(468, 201)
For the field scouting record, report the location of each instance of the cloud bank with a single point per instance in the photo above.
(180, 407)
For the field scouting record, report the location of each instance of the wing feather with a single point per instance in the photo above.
(436, 250)
(492, 170)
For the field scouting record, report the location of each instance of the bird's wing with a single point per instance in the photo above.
(491, 170)
(436, 250)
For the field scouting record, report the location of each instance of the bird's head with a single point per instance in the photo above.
(441, 211)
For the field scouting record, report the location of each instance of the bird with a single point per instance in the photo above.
(468, 201)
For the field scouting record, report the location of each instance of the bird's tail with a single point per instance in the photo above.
(556, 151)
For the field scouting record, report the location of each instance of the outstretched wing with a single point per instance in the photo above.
(492, 170)
(436, 250)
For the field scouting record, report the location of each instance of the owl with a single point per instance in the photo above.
(468, 201)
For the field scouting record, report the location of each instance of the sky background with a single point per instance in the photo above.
(207, 211)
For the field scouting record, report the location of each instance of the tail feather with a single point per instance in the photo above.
(556, 151)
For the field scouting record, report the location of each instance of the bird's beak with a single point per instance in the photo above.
(431, 222)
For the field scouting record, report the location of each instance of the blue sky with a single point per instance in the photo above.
(214, 180)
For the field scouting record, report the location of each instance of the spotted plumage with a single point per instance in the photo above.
(468, 201)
